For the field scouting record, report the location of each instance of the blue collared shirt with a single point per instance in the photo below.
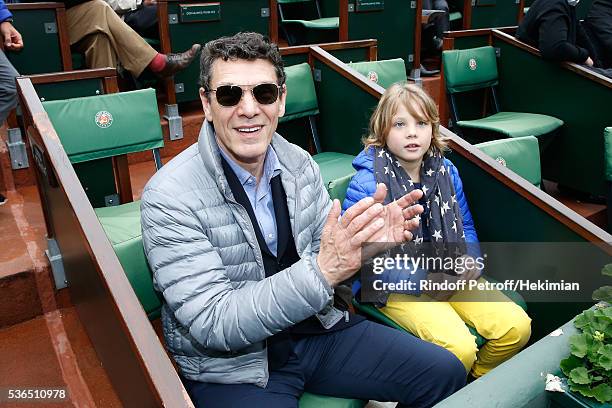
(260, 195)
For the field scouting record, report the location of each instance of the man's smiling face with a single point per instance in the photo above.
(245, 130)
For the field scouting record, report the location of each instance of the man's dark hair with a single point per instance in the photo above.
(246, 46)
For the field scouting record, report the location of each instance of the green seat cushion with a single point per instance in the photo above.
(101, 126)
(326, 23)
(301, 95)
(469, 69)
(515, 124)
(336, 171)
(309, 400)
(455, 15)
(521, 155)
(608, 152)
(384, 73)
(122, 227)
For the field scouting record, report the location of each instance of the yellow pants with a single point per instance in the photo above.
(503, 323)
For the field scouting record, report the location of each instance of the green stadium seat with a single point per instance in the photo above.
(301, 95)
(385, 73)
(309, 400)
(96, 127)
(337, 171)
(297, 29)
(87, 144)
(336, 168)
(521, 155)
(476, 68)
(122, 227)
(455, 16)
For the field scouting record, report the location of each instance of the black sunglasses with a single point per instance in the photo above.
(230, 95)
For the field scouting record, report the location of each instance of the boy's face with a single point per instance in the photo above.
(245, 130)
(409, 138)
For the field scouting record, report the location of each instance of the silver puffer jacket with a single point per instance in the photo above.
(201, 246)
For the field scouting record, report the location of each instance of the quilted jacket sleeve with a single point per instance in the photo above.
(362, 185)
(468, 221)
(189, 272)
(324, 203)
(4, 12)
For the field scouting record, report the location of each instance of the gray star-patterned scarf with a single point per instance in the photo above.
(443, 218)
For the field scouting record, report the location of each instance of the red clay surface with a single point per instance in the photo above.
(28, 359)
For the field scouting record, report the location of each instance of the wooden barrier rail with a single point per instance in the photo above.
(132, 355)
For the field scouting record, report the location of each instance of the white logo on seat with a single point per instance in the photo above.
(104, 119)
(373, 76)
(473, 64)
(501, 161)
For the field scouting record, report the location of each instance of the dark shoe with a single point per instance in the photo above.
(428, 72)
(3, 199)
(178, 62)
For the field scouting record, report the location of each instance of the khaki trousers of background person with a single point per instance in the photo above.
(96, 30)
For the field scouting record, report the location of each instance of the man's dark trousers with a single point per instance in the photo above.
(365, 361)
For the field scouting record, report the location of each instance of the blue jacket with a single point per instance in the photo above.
(363, 185)
(4, 12)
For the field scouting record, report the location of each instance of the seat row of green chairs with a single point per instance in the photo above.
(475, 69)
(520, 153)
(302, 22)
(129, 122)
(469, 71)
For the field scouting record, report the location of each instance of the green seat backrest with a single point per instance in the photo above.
(336, 171)
(122, 227)
(608, 152)
(301, 95)
(469, 69)
(384, 73)
(520, 154)
(456, 15)
(101, 126)
(292, 1)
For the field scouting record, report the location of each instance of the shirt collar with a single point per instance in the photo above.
(271, 166)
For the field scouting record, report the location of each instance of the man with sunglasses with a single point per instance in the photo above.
(247, 248)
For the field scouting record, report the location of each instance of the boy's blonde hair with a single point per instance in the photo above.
(414, 99)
